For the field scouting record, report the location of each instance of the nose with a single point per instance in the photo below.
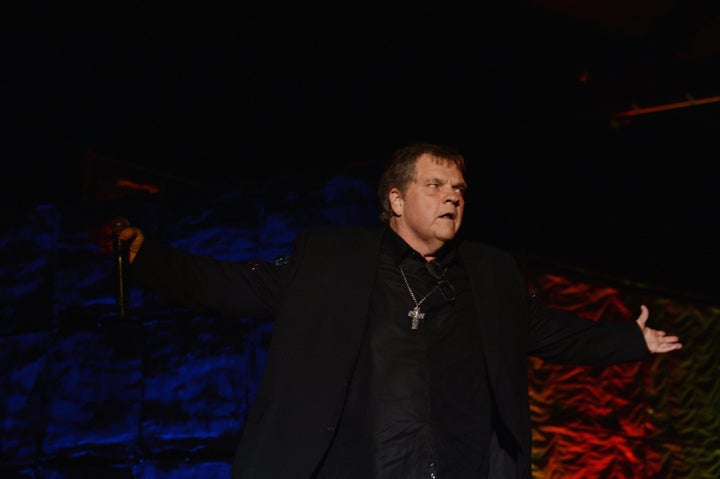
(452, 196)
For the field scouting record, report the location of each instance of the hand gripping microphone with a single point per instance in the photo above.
(120, 256)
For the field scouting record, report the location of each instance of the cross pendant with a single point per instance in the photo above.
(416, 316)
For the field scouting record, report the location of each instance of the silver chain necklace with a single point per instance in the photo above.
(415, 314)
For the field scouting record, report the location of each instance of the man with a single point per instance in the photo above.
(399, 351)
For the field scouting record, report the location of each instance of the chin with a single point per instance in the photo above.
(447, 236)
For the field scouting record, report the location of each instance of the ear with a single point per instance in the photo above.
(396, 201)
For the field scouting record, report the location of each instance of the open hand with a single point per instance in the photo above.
(657, 341)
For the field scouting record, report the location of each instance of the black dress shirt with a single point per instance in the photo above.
(418, 405)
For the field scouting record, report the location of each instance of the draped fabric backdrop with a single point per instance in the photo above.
(163, 393)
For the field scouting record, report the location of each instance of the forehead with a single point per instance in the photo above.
(428, 165)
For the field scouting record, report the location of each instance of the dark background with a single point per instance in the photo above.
(201, 95)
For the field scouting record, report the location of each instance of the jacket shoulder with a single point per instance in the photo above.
(486, 251)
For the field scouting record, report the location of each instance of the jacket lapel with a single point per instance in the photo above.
(484, 291)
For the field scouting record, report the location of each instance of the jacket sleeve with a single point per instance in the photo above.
(207, 285)
(557, 336)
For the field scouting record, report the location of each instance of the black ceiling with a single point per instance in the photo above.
(529, 91)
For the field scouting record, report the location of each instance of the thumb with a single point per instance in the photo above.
(644, 315)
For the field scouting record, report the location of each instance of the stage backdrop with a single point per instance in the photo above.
(163, 392)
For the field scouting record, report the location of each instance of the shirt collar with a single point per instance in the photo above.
(401, 252)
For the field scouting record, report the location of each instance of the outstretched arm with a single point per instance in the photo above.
(657, 341)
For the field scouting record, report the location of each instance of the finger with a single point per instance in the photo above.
(127, 233)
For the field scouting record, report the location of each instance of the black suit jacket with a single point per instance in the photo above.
(319, 298)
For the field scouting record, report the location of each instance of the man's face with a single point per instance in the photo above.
(430, 212)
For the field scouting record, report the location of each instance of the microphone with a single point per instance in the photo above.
(120, 256)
